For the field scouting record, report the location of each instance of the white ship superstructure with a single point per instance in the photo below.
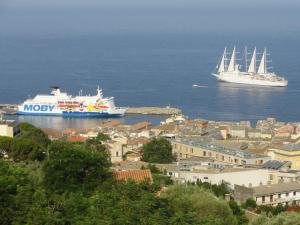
(61, 104)
(251, 75)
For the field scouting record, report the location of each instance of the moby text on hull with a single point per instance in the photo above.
(231, 73)
(62, 104)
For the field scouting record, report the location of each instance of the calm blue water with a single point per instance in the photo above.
(153, 69)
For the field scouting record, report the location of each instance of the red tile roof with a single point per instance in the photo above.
(135, 175)
(76, 139)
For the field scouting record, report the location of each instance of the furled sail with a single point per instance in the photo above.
(222, 63)
(231, 66)
(262, 66)
(252, 66)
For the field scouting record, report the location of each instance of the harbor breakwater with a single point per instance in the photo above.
(11, 109)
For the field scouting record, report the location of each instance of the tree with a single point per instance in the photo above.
(76, 168)
(194, 205)
(14, 188)
(250, 203)
(96, 145)
(157, 151)
(34, 133)
(238, 212)
(26, 149)
(102, 137)
(5, 145)
(127, 203)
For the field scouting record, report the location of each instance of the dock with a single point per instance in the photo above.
(153, 110)
(11, 109)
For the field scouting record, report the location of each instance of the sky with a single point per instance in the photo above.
(67, 17)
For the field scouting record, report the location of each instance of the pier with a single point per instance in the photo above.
(153, 110)
(11, 109)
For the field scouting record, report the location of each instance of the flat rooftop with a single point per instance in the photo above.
(289, 147)
(216, 148)
(220, 171)
(276, 188)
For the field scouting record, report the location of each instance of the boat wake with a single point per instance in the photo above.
(199, 86)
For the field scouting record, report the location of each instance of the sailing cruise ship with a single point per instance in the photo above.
(251, 75)
(61, 104)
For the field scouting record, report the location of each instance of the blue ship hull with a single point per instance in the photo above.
(73, 114)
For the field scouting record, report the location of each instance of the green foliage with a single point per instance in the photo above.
(238, 212)
(13, 181)
(250, 204)
(290, 218)
(219, 190)
(5, 145)
(194, 205)
(23, 149)
(270, 210)
(128, 204)
(101, 137)
(34, 133)
(151, 167)
(157, 151)
(96, 145)
(74, 168)
(160, 180)
(56, 147)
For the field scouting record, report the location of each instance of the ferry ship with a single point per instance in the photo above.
(251, 75)
(61, 104)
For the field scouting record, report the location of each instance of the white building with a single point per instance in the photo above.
(9, 128)
(274, 194)
(232, 176)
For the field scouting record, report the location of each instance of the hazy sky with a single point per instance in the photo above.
(38, 17)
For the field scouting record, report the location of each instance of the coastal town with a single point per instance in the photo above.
(259, 161)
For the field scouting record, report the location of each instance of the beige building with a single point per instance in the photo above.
(188, 147)
(9, 128)
(290, 152)
(238, 132)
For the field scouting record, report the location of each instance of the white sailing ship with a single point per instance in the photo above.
(251, 75)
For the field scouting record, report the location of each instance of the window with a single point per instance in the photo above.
(205, 178)
(271, 198)
(204, 153)
(287, 194)
(279, 195)
(235, 160)
(263, 199)
(192, 150)
(271, 177)
(117, 154)
(223, 157)
(294, 193)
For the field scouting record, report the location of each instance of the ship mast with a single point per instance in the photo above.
(252, 66)
(262, 69)
(222, 63)
(232, 62)
(246, 58)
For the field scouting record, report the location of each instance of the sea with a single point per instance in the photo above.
(150, 69)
